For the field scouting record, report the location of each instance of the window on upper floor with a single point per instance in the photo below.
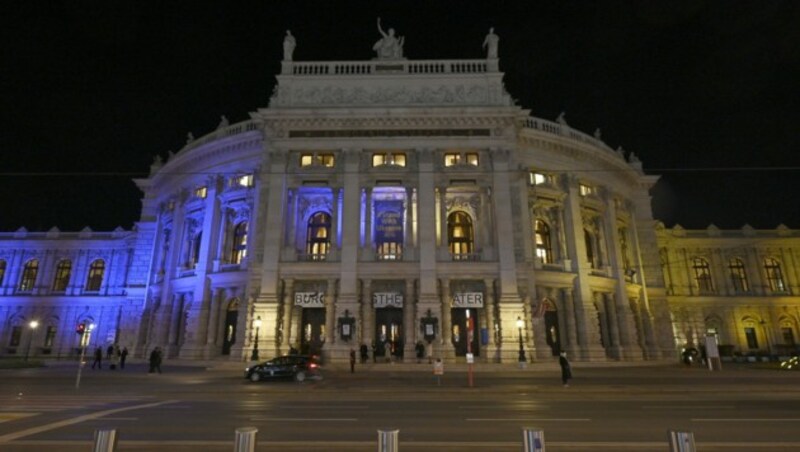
(459, 158)
(245, 180)
(472, 158)
(586, 190)
(201, 192)
(540, 178)
(63, 272)
(738, 275)
(452, 159)
(320, 159)
(2, 271)
(702, 275)
(591, 248)
(29, 272)
(95, 279)
(772, 268)
(460, 235)
(544, 248)
(239, 243)
(318, 236)
(389, 158)
(194, 249)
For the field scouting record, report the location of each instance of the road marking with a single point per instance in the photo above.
(76, 420)
(303, 419)
(746, 420)
(689, 407)
(10, 416)
(527, 419)
(117, 419)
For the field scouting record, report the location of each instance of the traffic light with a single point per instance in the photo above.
(81, 328)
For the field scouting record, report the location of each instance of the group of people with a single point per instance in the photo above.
(114, 355)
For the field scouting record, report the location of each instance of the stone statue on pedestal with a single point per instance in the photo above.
(490, 43)
(289, 44)
(388, 47)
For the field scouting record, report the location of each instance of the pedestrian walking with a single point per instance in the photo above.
(109, 352)
(98, 358)
(123, 355)
(364, 353)
(566, 370)
(155, 360)
(352, 360)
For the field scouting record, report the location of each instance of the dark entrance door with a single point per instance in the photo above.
(551, 330)
(231, 316)
(389, 332)
(461, 331)
(312, 334)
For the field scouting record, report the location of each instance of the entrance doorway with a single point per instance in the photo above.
(461, 333)
(231, 317)
(551, 330)
(312, 334)
(389, 332)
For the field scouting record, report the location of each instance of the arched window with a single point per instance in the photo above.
(588, 237)
(95, 279)
(544, 249)
(702, 275)
(194, 258)
(738, 275)
(774, 275)
(318, 236)
(2, 271)
(239, 243)
(460, 235)
(63, 272)
(29, 273)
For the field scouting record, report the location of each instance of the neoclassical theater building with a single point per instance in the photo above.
(392, 202)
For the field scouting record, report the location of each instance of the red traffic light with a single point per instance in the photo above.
(81, 328)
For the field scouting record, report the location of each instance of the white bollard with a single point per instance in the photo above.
(105, 440)
(532, 440)
(245, 439)
(681, 441)
(388, 440)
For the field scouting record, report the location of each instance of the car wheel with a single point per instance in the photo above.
(300, 376)
(255, 376)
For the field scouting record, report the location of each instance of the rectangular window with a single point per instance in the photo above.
(752, 341)
(788, 336)
(201, 192)
(326, 160)
(452, 159)
(306, 159)
(538, 178)
(399, 159)
(16, 336)
(378, 159)
(472, 158)
(586, 190)
(243, 181)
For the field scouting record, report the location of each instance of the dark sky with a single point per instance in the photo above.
(707, 94)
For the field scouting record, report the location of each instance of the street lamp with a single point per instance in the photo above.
(520, 324)
(33, 326)
(257, 324)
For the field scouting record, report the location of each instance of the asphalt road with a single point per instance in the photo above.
(606, 407)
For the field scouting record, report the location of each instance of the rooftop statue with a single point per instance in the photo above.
(289, 44)
(189, 137)
(491, 43)
(223, 122)
(388, 47)
(562, 118)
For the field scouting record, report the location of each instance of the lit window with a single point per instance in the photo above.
(702, 275)
(318, 234)
(398, 159)
(29, 273)
(195, 250)
(50, 336)
(586, 190)
(2, 271)
(389, 159)
(460, 235)
(738, 275)
(378, 159)
(472, 159)
(326, 160)
(538, 178)
(544, 250)
(244, 181)
(774, 275)
(306, 159)
(452, 159)
(239, 243)
(95, 279)
(201, 192)
(61, 281)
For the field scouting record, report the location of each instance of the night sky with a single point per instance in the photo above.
(707, 94)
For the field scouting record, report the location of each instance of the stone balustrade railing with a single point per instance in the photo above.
(564, 130)
(222, 132)
(329, 68)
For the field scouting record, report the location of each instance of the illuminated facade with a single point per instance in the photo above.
(390, 202)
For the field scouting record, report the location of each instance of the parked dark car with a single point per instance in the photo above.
(298, 367)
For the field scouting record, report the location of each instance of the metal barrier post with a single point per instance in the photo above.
(388, 440)
(245, 439)
(532, 440)
(681, 441)
(105, 440)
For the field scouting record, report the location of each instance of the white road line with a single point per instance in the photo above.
(304, 419)
(75, 420)
(689, 407)
(103, 419)
(527, 419)
(746, 420)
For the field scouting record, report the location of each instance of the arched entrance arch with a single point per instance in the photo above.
(231, 317)
(552, 332)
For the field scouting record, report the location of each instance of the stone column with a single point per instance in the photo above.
(408, 221)
(569, 317)
(409, 338)
(490, 319)
(447, 323)
(330, 313)
(539, 327)
(368, 245)
(613, 325)
(367, 313)
(214, 328)
(286, 321)
(335, 217)
(443, 242)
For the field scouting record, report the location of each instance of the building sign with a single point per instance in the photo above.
(388, 221)
(387, 299)
(309, 299)
(468, 300)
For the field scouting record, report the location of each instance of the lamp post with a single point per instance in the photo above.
(86, 336)
(520, 324)
(33, 326)
(257, 324)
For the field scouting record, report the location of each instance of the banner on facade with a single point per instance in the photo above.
(388, 221)
(309, 299)
(468, 300)
(387, 299)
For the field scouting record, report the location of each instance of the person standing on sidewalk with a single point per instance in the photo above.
(352, 360)
(123, 355)
(98, 358)
(566, 370)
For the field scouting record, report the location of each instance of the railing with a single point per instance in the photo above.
(387, 66)
(222, 132)
(563, 130)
